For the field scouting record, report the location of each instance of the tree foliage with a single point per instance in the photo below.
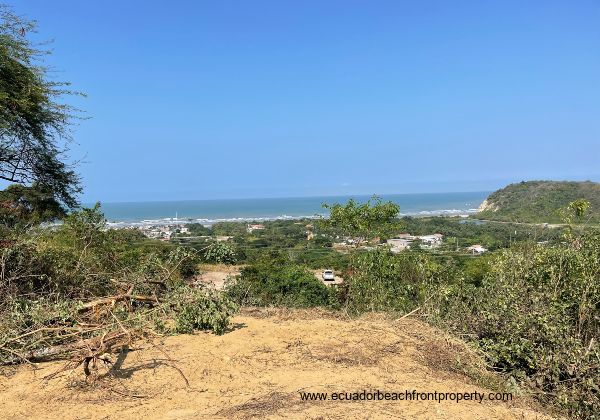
(220, 253)
(364, 220)
(28, 206)
(540, 201)
(34, 121)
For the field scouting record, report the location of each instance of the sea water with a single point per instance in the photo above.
(211, 211)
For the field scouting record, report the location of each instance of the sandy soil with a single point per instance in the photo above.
(257, 370)
(215, 276)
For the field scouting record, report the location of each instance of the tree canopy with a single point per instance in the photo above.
(29, 205)
(542, 202)
(34, 121)
(365, 220)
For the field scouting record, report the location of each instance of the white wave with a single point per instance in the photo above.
(210, 221)
(207, 221)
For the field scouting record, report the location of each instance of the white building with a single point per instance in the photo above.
(432, 240)
(398, 244)
(476, 249)
(252, 227)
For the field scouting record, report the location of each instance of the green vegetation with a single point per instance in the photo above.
(195, 309)
(28, 206)
(540, 201)
(220, 253)
(79, 291)
(363, 221)
(80, 282)
(276, 282)
(536, 316)
(532, 307)
(34, 120)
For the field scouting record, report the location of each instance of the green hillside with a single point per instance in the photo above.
(539, 201)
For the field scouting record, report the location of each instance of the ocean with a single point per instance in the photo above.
(212, 211)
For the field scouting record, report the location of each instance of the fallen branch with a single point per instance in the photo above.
(91, 347)
(409, 314)
(112, 300)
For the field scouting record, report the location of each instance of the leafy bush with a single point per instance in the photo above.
(534, 310)
(383, 281)
(82, 258)
(537, 317)
(275, 283)
(198, 309)
(56, 282)
(220, 253)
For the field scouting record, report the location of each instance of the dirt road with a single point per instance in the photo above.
(215, 276)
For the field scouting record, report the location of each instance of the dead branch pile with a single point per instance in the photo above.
(87, 333)
(96, 329)
(80, 291)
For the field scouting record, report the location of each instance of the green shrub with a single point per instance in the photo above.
(279, 284)
(220, 253)
(197, 309)
(81, 258)
(536, 316)
(383, 281)
(533, 310)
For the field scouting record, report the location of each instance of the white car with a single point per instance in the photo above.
(328, 275)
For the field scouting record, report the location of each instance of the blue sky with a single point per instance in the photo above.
(220, 99)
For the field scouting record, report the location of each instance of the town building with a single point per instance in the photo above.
(256, 226)
(476, 249)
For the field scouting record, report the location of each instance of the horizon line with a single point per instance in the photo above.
(381, 195)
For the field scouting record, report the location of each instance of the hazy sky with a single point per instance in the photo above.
(212, 99)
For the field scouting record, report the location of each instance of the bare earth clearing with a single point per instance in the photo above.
(257, 370)
(319, 276)
(215, 275)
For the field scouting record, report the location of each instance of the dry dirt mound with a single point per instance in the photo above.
(259, 369)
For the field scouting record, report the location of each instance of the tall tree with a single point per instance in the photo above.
(35, 123)
(24, 205)
(366, 220)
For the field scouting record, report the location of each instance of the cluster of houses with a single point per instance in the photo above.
(405, 240)
(162, 232)
(251, 227)
(397, 244)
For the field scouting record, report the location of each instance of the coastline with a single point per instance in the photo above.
(209, 222)
(209, 212)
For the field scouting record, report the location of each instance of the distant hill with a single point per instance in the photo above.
(539, 201)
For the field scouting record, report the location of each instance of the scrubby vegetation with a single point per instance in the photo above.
(79, 290)
(540, 201)
(277, 282)
(536, 316)
(532, 308)
(220, 253)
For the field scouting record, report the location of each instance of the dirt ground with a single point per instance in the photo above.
(215, 276)
(337, 279)
(259, 368)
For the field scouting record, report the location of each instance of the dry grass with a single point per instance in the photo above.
(265, 405)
